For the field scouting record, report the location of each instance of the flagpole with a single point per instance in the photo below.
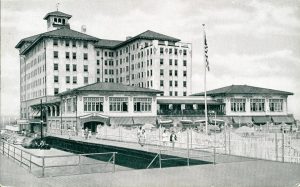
(205, 66)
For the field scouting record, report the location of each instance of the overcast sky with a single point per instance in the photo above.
(250, 42)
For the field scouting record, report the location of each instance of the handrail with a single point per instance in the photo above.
(6, 148)
(153, 160)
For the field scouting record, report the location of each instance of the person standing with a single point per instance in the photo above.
(69, 132)
(173, 138)
(165, 138)
(139, 135)
(143, 137)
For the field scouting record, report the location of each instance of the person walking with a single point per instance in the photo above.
(173, 138)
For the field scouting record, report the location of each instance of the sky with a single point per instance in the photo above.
(251, 42)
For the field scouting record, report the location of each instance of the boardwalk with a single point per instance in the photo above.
(242, 173)
(251, 173)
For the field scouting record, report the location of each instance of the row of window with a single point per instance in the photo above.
(74, 79)
(171, 83)
(184, 73)
(74, 67)
(256, 105)
(67, 55)
(73, 42)
(117, 104)
(176, 93)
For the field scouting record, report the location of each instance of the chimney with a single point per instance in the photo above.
(83, 29)
(128, 37)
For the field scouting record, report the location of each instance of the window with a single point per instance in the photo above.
(142, 104)
(175, 51)
(161, 61)
(93, 104)
(170, 72)
(170, 50)
(105, 71)
(184, 84)
(55, 54)
(175, 73)
(161, 83)
(56, 91)
(74, 55)
(98, 62)
(85, 56)
(170, 62)
(86, 80)
(67, 55)
(238, 105)
(74, 67)
(56, 79)
(184, 93)
(67, 43)
(170, 83)
(55, 42)
(184, 73)
(69, 104)
(55, 66)
(184, 62)
(98, 71)
(105, 53)
(161, 50)
(98, 79)
(74, 80)
(67, 67)
(170, 93)
(257, 105)
(161, 72)
(85, 68)
(118, 104)
(73, 43)
(175, 93)
(276, 105)
(176, 83)
(98, 53)
(176, 62)
(85, 44)
(184, 52)
(67, 79)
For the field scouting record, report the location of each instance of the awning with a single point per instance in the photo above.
(121, 121)
(242, 119)
(261, 119)
(186, 121)
(35, 121)
(22, 122)
(144, 120)
(284, 119)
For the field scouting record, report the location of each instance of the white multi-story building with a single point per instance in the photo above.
(62, 59)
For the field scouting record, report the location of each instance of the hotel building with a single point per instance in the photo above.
(62, 59)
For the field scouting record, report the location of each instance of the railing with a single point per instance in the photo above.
(56, 164)
(186, 112)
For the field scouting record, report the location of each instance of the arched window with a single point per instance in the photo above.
(59, 20)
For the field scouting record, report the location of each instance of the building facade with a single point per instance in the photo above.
(62, 59)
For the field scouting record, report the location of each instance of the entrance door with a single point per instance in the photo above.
(92, 125)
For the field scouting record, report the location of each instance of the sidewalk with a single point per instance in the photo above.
(251, 173)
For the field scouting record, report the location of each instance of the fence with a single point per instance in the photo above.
(275, 146)
(57, 165)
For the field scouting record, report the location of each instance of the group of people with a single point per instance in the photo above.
(86, 133)
(172, 138)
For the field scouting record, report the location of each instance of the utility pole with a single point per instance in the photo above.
(41, 118)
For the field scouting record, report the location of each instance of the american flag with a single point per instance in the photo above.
(206, 52)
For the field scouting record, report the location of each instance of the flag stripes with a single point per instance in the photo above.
(206, 52)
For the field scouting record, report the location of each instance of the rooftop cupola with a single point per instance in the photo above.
(57, 20)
